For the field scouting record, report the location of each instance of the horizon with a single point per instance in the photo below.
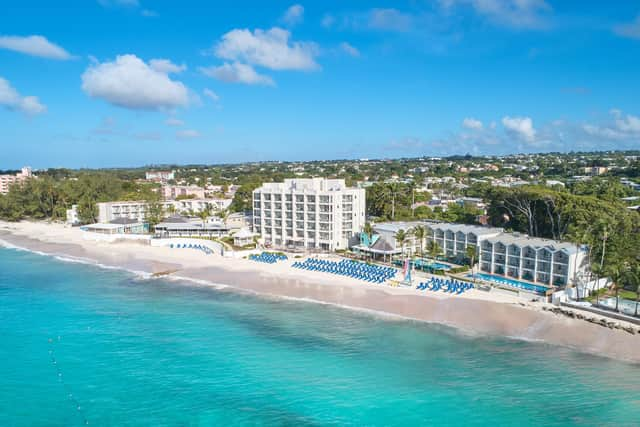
(311, 81)
(159, 166)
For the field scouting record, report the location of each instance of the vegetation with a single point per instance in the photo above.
(50, 195)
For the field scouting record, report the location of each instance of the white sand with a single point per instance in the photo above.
(492, 313)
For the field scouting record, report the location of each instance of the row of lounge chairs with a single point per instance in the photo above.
(268, 257)
(451, 286)
(202, 248)
(349, 268)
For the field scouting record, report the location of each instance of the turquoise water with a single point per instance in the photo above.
(151, 352)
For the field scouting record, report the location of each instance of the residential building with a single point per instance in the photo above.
(310, 213)
(595, 170)
(159, 176)
(544, 261)
(7, 180)
(171, 192)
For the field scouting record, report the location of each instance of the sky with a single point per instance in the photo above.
(117, 83)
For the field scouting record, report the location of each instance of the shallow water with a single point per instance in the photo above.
(82, 344)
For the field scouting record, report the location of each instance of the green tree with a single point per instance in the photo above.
(87, 210)
(419, 231)
(401, 238)
(433, 248)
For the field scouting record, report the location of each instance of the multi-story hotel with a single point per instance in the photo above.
(312, 213)
(8, 180)
(453, 239)
(109, 211)
(543, 261)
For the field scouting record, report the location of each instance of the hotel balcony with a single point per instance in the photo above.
(542, 278)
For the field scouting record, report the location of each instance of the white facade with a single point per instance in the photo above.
(453, 239)
(543, 261)
(159, 176)
(72, 215)
(108, 211)
(312, 213)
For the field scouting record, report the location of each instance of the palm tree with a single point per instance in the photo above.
(471, 255)
(617, 272)
(401, 238)
(433, 248)
(368, 230)
(419, 232)
(634, 275)
(204, 215)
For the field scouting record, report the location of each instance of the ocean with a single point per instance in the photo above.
(82, 345)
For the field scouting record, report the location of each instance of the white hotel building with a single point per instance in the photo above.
(108, 211)
(548, 262)
(312, 213)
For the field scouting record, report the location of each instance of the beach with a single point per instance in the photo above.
(475, 312)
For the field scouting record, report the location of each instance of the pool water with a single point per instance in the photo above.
(510, 282)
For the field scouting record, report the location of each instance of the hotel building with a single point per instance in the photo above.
(453, 239)
(312, 213)
(108, 211)
(8, 180)
(548, 262)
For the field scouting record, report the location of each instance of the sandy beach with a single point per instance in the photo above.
(474, 312)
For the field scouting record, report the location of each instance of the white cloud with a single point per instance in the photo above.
(511, 13)
(237, 73)
(12, 100)
(187, 134)
(293, 15)
(166, 66)
(328, 21)
(34, 46)
(390, 19)
(471, 123)
(522, 127)
(270, 49)
(211, 94)
(130, 83)
(631, 30)
(349, 49)
(172, 121)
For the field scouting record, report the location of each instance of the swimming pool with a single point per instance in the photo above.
(510, 282)
(434, 265)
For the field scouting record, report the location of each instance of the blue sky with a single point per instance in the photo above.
(89, 83)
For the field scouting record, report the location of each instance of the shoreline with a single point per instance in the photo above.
(475, 312)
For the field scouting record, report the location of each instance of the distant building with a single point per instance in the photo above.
(312, 213)
(595, 170)
(171, 192)
(159, 176)
(7, 180)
